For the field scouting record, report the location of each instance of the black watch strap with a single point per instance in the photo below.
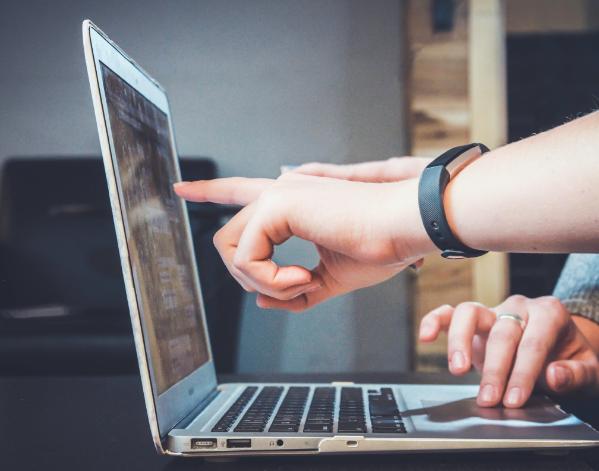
(433, 181)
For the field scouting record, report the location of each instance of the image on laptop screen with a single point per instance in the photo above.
(160, 256)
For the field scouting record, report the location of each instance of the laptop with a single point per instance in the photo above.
(189, 412)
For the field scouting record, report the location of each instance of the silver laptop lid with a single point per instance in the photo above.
(153, 234)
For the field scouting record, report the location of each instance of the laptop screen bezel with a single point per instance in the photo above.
(172, 405)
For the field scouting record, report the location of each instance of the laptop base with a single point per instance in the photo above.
(436, 418)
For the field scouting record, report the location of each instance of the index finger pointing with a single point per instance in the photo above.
(234, 190)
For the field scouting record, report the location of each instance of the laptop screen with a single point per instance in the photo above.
(160, 253)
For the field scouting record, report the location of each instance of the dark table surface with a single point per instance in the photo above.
(99, 423)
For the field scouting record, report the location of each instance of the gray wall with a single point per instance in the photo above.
(253, 84)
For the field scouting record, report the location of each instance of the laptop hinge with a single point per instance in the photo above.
(185, 421)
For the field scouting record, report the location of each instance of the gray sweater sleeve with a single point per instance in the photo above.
(578, 285)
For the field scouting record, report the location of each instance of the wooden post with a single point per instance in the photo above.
(488, 121)
(454, 100)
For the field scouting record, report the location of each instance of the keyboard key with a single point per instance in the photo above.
(384, 413)
(259, 413)
(318, 428)
(284, 428)
(321, 412)
(229, 418)
(351, 428)
(351, 411)
(399, 429)
(291, 410)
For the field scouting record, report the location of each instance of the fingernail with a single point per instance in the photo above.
(513, 396)
(487, 394)
(458, 361)
(426, 330)
(562, 376)
(180, 184)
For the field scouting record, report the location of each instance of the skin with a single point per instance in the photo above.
(557, 351)
(349, 258)
(367, 231)
(365, 222)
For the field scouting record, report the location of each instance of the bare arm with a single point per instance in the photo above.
(536, 195)
(555, 350)
(540, 194)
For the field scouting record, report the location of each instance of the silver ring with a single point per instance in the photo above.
(512, 317)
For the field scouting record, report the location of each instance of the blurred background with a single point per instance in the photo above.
(254, 85)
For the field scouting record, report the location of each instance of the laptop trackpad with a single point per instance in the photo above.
(452, 410)
(463, 409)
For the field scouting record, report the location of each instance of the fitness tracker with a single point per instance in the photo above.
(431, 188)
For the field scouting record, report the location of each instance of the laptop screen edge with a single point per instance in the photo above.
(171, 406)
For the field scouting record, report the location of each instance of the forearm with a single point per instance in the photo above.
(539, 194)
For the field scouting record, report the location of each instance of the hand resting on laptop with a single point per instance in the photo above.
(556, 350)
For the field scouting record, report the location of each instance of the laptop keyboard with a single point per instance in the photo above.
(322, 411)
(259, 413)
(291, 411)
(351, 411)
(227, 420)
(382, 413)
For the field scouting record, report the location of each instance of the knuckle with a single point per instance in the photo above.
(236, 273)
(468, 308)
(557, 318)
(271, 198)
(435, 313)
(553, 307)
(517, 299)
(441, 309)
(239, 264)
(551, 301)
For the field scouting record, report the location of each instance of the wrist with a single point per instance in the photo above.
(410, 240)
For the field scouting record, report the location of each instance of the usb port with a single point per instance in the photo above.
(203, 443)
(239, 443)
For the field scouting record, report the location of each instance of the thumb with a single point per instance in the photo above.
(564, 376)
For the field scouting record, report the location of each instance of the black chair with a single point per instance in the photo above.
(62, 302)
